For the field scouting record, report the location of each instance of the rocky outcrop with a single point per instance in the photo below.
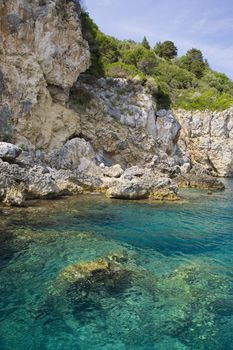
(199, 177)
(42, 53)
(19, 182)
(138, 183)
(207, 138)
(118, 118)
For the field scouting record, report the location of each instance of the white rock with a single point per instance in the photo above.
(8, 151)
(138, 183)
(113, 171)
(207, 138)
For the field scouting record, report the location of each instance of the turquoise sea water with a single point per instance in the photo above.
(178, 293)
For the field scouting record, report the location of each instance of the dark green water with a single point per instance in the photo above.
(179, 294)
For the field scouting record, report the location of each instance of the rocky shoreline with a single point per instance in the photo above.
(19, 182)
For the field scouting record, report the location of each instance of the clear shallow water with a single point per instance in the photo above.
(179, 289)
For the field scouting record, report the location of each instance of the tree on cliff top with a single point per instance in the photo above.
(166, 50)
(145, 43)
(194, 62)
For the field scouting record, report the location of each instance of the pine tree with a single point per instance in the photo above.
(145, 43)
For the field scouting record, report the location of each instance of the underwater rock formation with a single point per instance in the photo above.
(106, 274)
(177, 305)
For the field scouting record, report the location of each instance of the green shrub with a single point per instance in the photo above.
(140, 57)
(175, 77)
(163, 95)
(148, 62)
(210, 99)
(133, 55)
(218, 81)
(122, 70)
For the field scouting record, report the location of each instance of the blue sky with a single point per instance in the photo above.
(204, 24)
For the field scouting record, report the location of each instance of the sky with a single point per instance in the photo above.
(203, 24)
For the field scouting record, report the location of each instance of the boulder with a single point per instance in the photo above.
(202, 181)
(8, 151)
(128, 190)
(41, 184)
(137, 183)
(73, 154)
(113, 171)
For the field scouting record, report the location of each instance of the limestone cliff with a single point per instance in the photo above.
(42, 53)
(118, 117)
(207, 138)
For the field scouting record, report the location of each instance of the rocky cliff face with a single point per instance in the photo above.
(81, 135)
(119, 119)
(207, 138)
(42, 53)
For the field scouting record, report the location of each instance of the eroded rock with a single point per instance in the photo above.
(199, 177)
(41, 46)
(207, 137)
(137, 183)
(8, 151)
(15, 195)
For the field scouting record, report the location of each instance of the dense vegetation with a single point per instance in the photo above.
(179, 82)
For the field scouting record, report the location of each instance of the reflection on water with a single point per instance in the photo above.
(93, 273)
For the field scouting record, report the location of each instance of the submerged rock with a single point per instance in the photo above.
(222, 306)
(106, 274)
(191, 298)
